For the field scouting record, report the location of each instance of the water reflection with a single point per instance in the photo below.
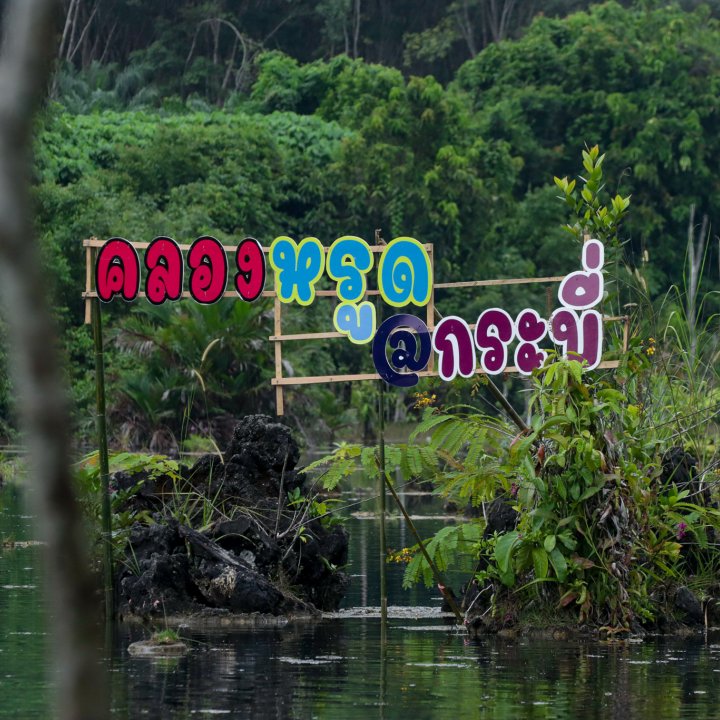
(338, 669)
(364, 555)
(335, 669)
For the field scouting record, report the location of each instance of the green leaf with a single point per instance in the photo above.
(428, 424)
(540, 562)
(503, 550)
(507, 578)
(567, 540)
(557, 560)
(593, 490)
(550, 542)
(576, 371)
(554, 420)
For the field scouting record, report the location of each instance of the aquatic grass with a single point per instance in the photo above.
(166, 637)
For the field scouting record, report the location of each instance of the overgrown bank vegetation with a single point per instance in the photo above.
(603, 509)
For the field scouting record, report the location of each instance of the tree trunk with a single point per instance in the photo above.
(356, 28)
(27, 48)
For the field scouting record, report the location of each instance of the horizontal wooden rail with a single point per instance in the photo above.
(95, 243)
(320, 379)
(234, 294)
(501, 281)
(332, 335)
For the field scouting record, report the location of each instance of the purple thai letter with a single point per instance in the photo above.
(583, 289)
(453, 342)
(530, 329)
(579, 337)
(493, 332)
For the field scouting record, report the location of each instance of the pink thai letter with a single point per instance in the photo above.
(117, 271)
(579, 337)
(584, 288)
(164, 262)
(209, 270)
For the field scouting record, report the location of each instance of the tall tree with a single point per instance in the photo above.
(25, 58)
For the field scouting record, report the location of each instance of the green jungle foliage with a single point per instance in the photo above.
(343, 146)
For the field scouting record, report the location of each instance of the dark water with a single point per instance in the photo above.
(337, 668)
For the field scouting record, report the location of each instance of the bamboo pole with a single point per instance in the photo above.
(324, 379)
(436, 573)
(279, 393)
(509, 409)
(381, 482)
(381, 496)
(103, 458)
(88, 284)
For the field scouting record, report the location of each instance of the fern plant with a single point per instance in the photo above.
(460, 451)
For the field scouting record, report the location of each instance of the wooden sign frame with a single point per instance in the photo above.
(280, 381)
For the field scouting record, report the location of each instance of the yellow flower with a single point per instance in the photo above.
(423, 400)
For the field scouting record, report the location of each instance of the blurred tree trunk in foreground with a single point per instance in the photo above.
(28, 45)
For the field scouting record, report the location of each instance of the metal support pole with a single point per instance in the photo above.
(103, 458)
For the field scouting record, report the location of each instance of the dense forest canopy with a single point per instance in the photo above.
(181, 40)
(331, 117)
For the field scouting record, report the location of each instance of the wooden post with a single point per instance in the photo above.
(430, 309)
(626, 332)
(103, 458)
(88, 281)
(548, 302)
(279, 399)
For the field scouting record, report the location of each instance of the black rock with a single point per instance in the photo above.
(501, 518)
(686, 601)
(162, 586)
(238, 589)
(313, 566)
(249, 551)
(204, 471)
(261, 455)
(679, 467)
(148, 540)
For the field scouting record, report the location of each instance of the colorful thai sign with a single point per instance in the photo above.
(403, 344)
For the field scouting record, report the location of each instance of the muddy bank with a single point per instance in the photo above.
(235, 534)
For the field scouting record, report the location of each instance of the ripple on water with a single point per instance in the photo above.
(307, 661)
(438, 664)
(394, 612)
(429, 628)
